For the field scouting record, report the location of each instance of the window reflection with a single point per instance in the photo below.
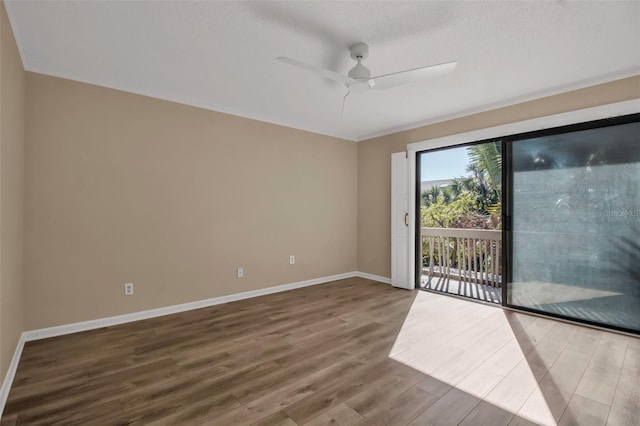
(576, 209)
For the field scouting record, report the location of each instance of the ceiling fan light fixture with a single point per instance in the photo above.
(360, 72)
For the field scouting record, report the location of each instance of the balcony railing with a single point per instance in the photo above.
(466, 255)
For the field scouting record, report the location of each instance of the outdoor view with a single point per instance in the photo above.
(460, 209)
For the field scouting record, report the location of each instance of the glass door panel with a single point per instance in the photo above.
(460, 237)
(575, 235)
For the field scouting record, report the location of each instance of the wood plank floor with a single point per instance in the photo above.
(348, 352)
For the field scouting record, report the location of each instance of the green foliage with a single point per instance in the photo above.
(442, 213)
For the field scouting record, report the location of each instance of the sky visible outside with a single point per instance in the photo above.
(444, 164)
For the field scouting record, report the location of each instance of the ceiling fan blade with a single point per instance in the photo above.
(395, 79)
(344, 101)
(339, 78)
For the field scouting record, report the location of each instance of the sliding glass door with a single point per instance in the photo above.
(547, 221)
(574, 239)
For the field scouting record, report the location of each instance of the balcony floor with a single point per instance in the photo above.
(481, 292)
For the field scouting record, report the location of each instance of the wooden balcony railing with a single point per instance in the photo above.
(467, 255)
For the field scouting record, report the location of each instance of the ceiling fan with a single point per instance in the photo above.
(359, 78)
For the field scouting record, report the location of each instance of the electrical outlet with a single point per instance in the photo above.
(240, 272)
(292, 260)
(128, 289)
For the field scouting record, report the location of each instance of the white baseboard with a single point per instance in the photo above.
(61, 330)
(374, 277)
(11, 373)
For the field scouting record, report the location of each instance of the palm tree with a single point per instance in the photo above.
(461, 184)
(488, 158)
(430, 196)
(485, 162)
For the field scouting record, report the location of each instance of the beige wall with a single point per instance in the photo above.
(125, 188)
(12, 92)
(374, 159)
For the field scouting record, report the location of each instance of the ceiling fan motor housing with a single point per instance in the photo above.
(359, 51)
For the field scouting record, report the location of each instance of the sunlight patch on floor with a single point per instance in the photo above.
(474, 348)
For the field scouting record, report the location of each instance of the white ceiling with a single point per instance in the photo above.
(220, 55)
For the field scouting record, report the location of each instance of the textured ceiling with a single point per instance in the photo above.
(220, 55)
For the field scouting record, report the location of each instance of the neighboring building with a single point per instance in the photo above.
(428, 184)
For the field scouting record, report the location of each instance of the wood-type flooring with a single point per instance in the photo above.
(348, 352)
